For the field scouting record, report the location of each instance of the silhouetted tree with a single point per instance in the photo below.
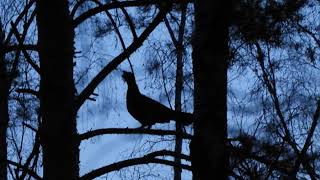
(209, 154)
(59, 106)
(283, 107)
(58, 133)
(4, 114)
(10, 67)
(179, 86)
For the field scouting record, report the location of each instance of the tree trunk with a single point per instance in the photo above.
(4, 118)
(210, 53)
(179, 88)
(58, 129)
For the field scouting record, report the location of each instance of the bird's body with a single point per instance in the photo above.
(148, 111)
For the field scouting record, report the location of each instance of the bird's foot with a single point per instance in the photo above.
(144, 127)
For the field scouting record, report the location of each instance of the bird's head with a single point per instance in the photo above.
(128, 76)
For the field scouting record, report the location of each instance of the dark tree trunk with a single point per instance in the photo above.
(4, 118)
(4, 114)
(210, 53)
(179, 88)
(58, 129)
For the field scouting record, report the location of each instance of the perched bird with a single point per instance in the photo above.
(148, 111)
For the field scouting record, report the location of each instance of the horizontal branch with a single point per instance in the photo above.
(15, 47)
(171, 153)
(116, 4)
(149, 158)
(100, 132)
(29, 91)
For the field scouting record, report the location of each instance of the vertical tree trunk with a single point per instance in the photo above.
(210, 53)
(4, 118)
(179, 88)
(4, 114)
(58, 129)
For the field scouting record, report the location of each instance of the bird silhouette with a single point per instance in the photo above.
(148, 111)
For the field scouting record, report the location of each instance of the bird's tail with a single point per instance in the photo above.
(184, 118)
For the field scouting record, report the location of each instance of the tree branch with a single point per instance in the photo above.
(312, 129)
(113, 5)
(30, 47)
(75, 7)
(24, 168)
(100, 132)
(149, 158)
(171, 33)
(271, 87)
(25, 53)
(18, 19)
(29, 91)
(130, 22)
(34, 153)
(114, 24)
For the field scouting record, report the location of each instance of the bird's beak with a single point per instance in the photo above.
(123, 75)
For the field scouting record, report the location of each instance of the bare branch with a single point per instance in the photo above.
(29, 91)
(30, 47)
(171, 33)
(149, 158)
(114, 24)
(123, 4)
(312, 128)
(100, 132)
(30, 127)
(303, 153)
(21, 15)
(271, 87)
(34, 153)
(25, 53)
(75, 7)
(24, 168)
(130, 22)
